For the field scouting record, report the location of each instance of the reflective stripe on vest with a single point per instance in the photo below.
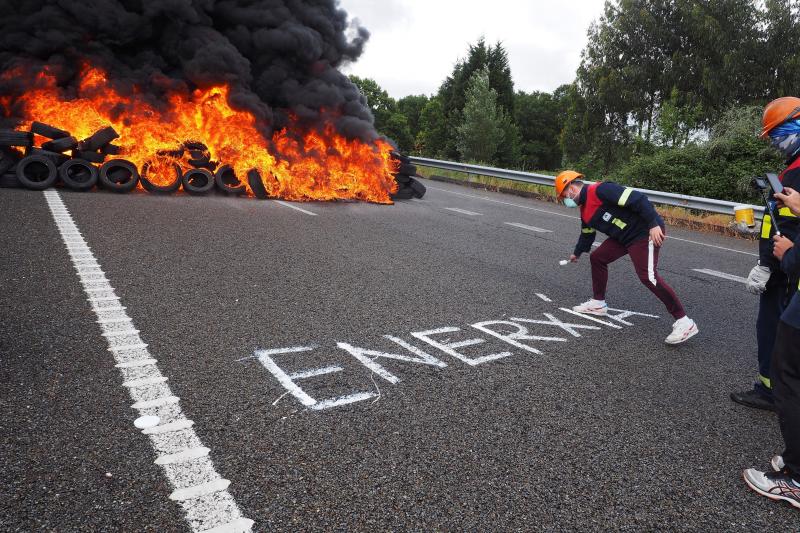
(587, 230)
(618, 223)
(786, 212)
(766, 227)
(624, 196)
(765, 381)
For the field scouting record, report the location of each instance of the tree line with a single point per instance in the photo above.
(667, 96)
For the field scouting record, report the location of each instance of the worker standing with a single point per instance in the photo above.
(767, 279)
(634, 228)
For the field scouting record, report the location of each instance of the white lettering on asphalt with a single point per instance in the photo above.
(514, 331)
(449, 347)
(201, 491)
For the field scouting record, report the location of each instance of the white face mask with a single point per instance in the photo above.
(569, 202)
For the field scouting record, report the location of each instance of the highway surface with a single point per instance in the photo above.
(354, 367)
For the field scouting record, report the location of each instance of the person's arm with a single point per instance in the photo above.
(584, 242)
(791, 199)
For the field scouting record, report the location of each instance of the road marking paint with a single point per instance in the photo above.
(722, 275)
(344, 400)
(197, 491)
(553, 321)
(234, 526)
(574, 217)
(463, 211)
(531, 228)
(623, 314)
(110, 309)
(368, 359)
(543, 297)
(200, 511)
(448, 348)
(589, 317)
(181, 457)
(111, 320)
(287, 204)
(315, 372)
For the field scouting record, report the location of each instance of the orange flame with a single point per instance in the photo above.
(316, 165)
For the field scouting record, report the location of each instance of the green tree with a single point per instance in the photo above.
(539, 118)
(411, 108)
(433, 133)
(480, 134)
(389, 121)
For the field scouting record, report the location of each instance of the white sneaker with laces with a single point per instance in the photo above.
(682, 330)
(592, 307)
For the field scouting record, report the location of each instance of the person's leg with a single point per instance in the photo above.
(605, 254)
(786, 391)
(770, 308)
(645, 261)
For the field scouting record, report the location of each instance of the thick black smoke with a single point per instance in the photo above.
(279, 56)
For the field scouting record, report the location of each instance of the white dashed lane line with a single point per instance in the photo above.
(529, 228)
(196, 485)
(463, 211)
(287, 204)
(722, 275)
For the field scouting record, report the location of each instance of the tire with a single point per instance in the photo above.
(408, 169)
(400, 157)
(111, 149)
(119, 175)
(227, 182)
(37, 172)
(197, 181)
(9, 180)
(61, 145)
(50, 132)
(161, 189)
(404, 193)
(402, 179)
(92, 157)
(418, 188)
(16, 138)
(78, 174)
(205, 163)
(8, 160)
(257, 186)
(175, 154)
(55, 157)
(99, 139)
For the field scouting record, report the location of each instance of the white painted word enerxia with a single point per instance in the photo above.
(515, 332)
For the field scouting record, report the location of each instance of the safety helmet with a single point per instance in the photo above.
(779, 111)
(564, 179)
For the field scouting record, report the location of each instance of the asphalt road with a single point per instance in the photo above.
(608, 430)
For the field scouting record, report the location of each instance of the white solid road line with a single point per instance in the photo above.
(530, 228)
(463, 211)
(576, 218)
(287, 204)
(722, 275)
(201, 491)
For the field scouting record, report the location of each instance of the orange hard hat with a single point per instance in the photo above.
(779, 111)
(564, 179)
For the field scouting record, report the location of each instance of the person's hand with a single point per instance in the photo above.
(757, 279)
(657, 235)
(782, 245)
(573, 258)
(789, 198)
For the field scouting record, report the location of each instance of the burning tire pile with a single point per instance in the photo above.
(46, 156)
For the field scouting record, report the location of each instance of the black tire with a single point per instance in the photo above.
(175, 154)
(408, 169)
(400, 157)
(37, 172)
(61, 145)
(8, 160)
(403, 193)
(402, 179)
(119, 175)
(197, 181)
(93, 157)
(111, 149)
(418, 188)
(227, 182)
(9, 180)
(55, 157)
(257, 186)
(16, 138)
(161, 189)
(45, 130)
(78, 174)
(205, 163)
(99, 139)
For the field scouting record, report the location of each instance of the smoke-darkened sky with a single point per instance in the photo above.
(415, 43)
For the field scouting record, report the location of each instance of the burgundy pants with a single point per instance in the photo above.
(645, 261)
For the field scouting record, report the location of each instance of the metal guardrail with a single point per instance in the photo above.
(657, 197)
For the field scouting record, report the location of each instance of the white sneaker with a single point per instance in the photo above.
(682, 330)
(777, 463)
(592, 307)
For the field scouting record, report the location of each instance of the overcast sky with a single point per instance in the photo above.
(415, 43)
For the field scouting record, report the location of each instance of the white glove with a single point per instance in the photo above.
(757, 279)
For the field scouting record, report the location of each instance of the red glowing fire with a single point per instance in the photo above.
(303, 166)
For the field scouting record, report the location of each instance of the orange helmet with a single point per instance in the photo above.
(779, 111)
(564, 179)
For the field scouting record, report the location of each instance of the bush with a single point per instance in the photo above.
(720, 167)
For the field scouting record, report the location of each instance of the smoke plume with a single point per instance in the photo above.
(280, 57)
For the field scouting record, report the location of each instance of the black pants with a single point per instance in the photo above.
(771, 305)
(786, 391)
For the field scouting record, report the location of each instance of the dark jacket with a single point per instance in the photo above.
(788, 223)
(622, 213)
